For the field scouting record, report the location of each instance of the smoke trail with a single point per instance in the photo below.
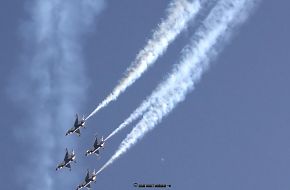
(135, 115)
(179, 13)
(205, 45)
(50, 84)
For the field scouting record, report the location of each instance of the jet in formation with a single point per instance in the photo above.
(68, 158)
(77, 126)
(90, 177)
(96, 147)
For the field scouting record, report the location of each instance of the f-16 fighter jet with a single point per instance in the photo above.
(88, 180)
(77, 126)
(68, 158)
(96, 147)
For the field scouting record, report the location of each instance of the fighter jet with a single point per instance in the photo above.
(96, 147)
(68, 158)
(77, 126)
(88, 180)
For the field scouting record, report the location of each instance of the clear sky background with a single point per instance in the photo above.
(231, 132)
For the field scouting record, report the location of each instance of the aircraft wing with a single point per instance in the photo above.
(77, 120)
(66, 154)
(68, 166)
(87, 176)
(96, 143)
(78, 132)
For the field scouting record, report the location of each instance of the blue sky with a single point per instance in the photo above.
(231, 132)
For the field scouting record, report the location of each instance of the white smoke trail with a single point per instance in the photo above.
(179, 13)
(50, 84)
(142, 108)
(135, 115)
(216, 29)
